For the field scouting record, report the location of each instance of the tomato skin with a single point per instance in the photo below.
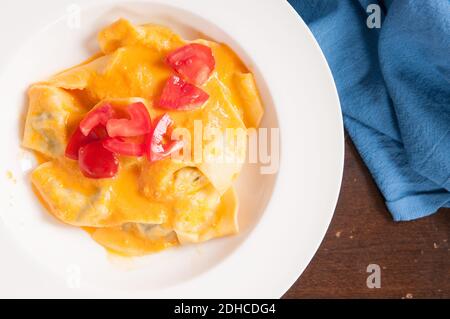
(161, 127)
(168, 149)
(156, 150)
(120, 146)
(98, 116)
(78, 140)
(180, 95)
(138, 124)
(97, 162)
(194, 62)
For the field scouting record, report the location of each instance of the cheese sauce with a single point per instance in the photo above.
(146, 207)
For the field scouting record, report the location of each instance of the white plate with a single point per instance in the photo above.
(283, 216)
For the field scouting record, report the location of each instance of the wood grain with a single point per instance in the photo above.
(414, 257)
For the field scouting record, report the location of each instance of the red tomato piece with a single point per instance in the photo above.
(181, 96)
(168, 149)
(161, 127)
(121, 146)
(78, 140)
(98, 116)
(138, 124)
(97, 162)
(195, 62)
(156, 150)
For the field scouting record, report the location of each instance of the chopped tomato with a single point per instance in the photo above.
(138, 124)
(195, 62)
(156, 150)
(161, 127)
(78, 140)
(121, 146)
(95, 161)
(168, 149)
(180, 95)
(98, 116)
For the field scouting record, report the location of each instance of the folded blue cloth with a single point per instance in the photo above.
(394, 88)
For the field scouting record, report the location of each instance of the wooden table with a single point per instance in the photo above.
(414, 257)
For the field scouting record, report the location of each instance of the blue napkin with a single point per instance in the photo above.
(394, 87)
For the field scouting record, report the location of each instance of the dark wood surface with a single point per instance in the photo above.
(414, 257)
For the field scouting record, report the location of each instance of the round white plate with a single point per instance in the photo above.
(283, 216)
